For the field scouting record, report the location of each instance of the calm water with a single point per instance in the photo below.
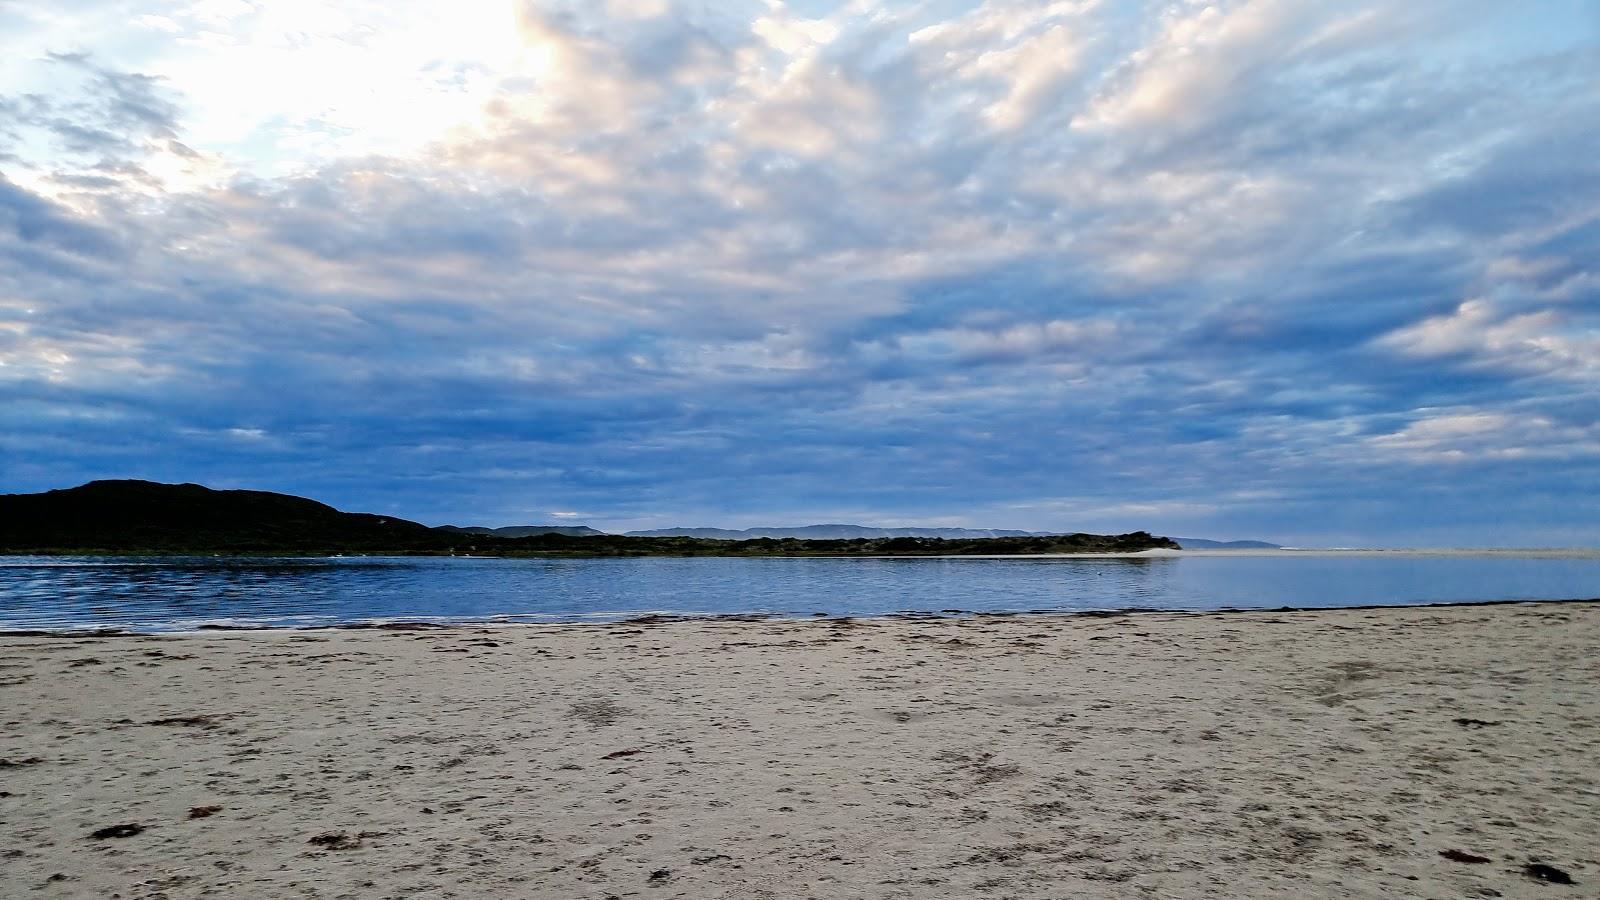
(181, 594)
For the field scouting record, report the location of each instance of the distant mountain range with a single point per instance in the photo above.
(851, 532)
(144, 517)
(1203, 544)
(518, 531)
(833, 533)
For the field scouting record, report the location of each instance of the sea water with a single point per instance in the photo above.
(180, 594)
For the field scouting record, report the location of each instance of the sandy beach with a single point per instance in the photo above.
(1425, 752)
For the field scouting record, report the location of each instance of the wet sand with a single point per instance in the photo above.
(1353, 753)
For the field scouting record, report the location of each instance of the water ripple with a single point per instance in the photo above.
(185, 593)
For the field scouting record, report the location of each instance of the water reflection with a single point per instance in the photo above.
(185, 593)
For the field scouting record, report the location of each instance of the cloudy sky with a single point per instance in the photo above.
(1327, 273)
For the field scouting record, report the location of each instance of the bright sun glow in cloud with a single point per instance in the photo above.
(275, 88)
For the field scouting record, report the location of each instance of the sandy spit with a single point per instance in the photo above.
(1356, 753)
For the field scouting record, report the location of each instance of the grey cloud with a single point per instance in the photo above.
(1534, 181)
(102, 120)
(854, 290)
(33, 220)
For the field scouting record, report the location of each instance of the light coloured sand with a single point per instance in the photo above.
(1160, 755)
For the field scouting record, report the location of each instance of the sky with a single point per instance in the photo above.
(1319, 273)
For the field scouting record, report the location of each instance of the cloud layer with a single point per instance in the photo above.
(1322, 273)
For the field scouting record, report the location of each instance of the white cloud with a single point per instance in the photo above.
(1532, 342)
(1066, 340)
(1477, 436)
(1196, 61)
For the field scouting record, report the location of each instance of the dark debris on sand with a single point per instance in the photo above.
(185, 721)
(1551, 874)
(336, 840)
(1462, 856)
(116, 831)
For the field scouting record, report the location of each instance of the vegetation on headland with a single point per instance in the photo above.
(147, 518)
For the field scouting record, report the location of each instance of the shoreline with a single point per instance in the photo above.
(1152, 553)
(1259, 753)
(664, 618)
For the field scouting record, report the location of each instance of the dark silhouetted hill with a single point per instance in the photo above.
(143, 517)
